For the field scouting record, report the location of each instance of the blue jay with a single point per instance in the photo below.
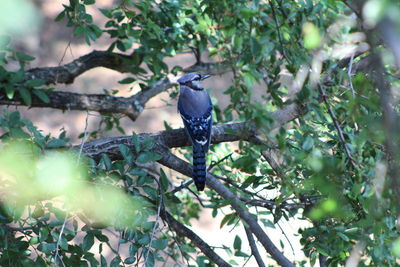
(195, 108)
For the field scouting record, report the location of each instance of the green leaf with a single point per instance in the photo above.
(127, 80)
(24, 57)
(237, 243)
(47, 248)
(10, 90)
(147, 144)
(255, 47)
(130, 260)
(150, 259)
(163, 181)
(106, 12)
(41, 94)
(150, 191)
(136, 142)
(246, 164)
(159, 244)
(60, 16)
(228, 218)
(79, 30)
(144, 240)
(34, 82)
(343, 236)
(54, 143)
(103, 261)
(308, 143)
(148, 156)
(106, 161)
(126, 153)
(115, 262)
(26, 95)
(88, 241)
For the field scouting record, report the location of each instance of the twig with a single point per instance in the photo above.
(337, 126)
(278, 31)
(182, 230)
(349, 74)
(84, 136)
(182, 186)
(392, 75)
(154, 228)
(253, 247)
(213, 164)
(197, 196)
(287, 239)
(57, 255)
(229, 181)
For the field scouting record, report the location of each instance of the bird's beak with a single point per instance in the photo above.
(203, 77)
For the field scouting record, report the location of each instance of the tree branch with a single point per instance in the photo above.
(253, 247)
(173, 162)
(182, 230)
(129, 106)
(177, 138)
(68, 72)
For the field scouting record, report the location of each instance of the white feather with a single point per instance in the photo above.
(201, 142)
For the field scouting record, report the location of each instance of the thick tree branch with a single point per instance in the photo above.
(182, 230)
(173, 162)
(177, 138)
(129, 106)
(119, 62)
(68, 72)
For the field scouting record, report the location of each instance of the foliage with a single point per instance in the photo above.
(334, 164)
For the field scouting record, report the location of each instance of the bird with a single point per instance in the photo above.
(195, 108)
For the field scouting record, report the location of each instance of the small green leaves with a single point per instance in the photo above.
(25, 95)
(237, 243)
(88, 241)
(24, 57)
(10, 90)
(41, 94)
(127, 80)
(34, 82)
(126, 153)
(159, 244)
(148, 156)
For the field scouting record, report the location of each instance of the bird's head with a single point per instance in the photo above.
(193, 80)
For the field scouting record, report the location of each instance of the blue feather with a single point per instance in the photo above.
(195, 108)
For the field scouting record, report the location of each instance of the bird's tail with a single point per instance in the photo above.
(199, 167)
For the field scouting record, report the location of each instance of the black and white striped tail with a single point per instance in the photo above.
(199, 167)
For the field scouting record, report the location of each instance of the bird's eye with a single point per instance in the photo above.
(197, 78)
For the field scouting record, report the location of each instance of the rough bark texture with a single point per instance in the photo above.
(68, 72)
(129, 106)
